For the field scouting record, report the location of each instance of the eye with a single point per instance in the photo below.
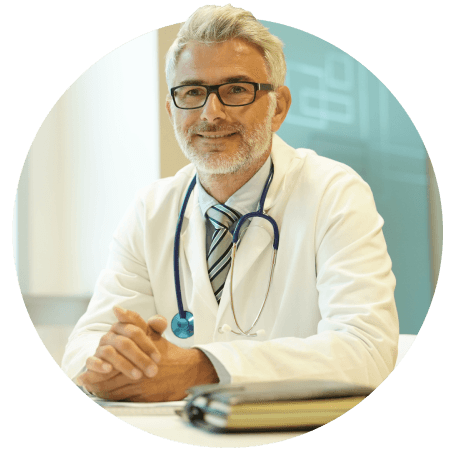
(185, 92)
(193, 92)
(237, 89)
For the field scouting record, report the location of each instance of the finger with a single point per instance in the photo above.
(158, 323)
(119, 362)
(129, 316)
(108, 389)
(90, 377)
(125, 356)
(139, 337)
(98, 365)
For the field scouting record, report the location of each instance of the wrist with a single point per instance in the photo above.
(202, 370)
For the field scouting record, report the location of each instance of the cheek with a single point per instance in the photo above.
(254, 122)
(183, 120)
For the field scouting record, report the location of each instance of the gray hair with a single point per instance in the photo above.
(215, 24)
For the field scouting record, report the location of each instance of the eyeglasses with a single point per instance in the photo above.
(188, 97)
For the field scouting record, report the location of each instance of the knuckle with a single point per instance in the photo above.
(90, 362)
(135, 333)
(123, 343)
(107, 351)
(106, 338)
(136, 319)
(133, 315)
(115, 328)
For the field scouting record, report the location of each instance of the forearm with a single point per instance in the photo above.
(340, 356)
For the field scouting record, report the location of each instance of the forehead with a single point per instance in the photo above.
(217, 63)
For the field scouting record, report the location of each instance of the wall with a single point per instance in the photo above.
(97, 146)
(343, 112)
(172, 158)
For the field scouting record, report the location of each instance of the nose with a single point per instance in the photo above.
(213, 109)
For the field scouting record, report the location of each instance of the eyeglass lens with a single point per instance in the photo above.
(231, 94)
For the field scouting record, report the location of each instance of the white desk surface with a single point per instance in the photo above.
(172, 427)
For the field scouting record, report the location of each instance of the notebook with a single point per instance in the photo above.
(269, 406)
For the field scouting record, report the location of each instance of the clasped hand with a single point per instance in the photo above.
(134, 362)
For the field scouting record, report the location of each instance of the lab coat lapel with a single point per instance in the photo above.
(257, 239)
(260, 233)
(285, 162)
(192, 251)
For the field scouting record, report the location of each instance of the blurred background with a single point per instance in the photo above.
(109, 135)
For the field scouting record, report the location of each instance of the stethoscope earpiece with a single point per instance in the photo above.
(225, 329)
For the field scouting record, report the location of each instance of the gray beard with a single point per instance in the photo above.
(254, 145)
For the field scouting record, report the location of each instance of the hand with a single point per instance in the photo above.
(125, 349)
(178, 370)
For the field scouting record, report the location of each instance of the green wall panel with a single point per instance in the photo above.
(342, 111)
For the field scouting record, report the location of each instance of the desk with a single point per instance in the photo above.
(172, 427)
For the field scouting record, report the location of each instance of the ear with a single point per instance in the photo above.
(283, 105)
(168, 106)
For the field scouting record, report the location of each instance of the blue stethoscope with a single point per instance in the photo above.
(183, 322)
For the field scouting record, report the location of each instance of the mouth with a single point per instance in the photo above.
(215, 135)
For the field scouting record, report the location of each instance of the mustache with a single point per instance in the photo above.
(205, 127)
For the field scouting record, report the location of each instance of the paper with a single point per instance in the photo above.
(121, 408)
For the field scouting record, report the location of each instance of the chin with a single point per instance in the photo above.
(251, 148)
(216, 163)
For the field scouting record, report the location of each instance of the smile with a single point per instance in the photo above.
(216, 136)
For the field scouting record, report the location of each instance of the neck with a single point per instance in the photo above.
(222, 186)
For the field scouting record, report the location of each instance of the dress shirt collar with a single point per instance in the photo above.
(246, 199)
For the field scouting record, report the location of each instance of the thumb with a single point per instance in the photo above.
(158, 323)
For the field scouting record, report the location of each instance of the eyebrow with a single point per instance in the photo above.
(198, 81)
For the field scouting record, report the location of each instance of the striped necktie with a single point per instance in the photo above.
(219, 254)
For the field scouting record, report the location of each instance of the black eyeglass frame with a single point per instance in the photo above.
(215, 89)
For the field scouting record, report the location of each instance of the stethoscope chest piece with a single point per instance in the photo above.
(183, 327)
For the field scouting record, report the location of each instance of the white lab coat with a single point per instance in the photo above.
(330, 313)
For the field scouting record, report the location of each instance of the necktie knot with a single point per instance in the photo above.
(221, 216)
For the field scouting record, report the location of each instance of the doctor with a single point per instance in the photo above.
(329, 312)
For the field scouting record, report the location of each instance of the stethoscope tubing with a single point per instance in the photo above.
(256, 214)
(259, 213)
(178, 232)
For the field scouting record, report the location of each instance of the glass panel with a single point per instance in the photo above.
(342, 111)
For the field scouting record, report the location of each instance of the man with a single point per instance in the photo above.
(329, 312)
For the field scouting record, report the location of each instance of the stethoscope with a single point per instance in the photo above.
(182, 324)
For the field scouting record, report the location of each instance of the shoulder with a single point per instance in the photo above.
(325, 169)
(337, 185)
(305, 168)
